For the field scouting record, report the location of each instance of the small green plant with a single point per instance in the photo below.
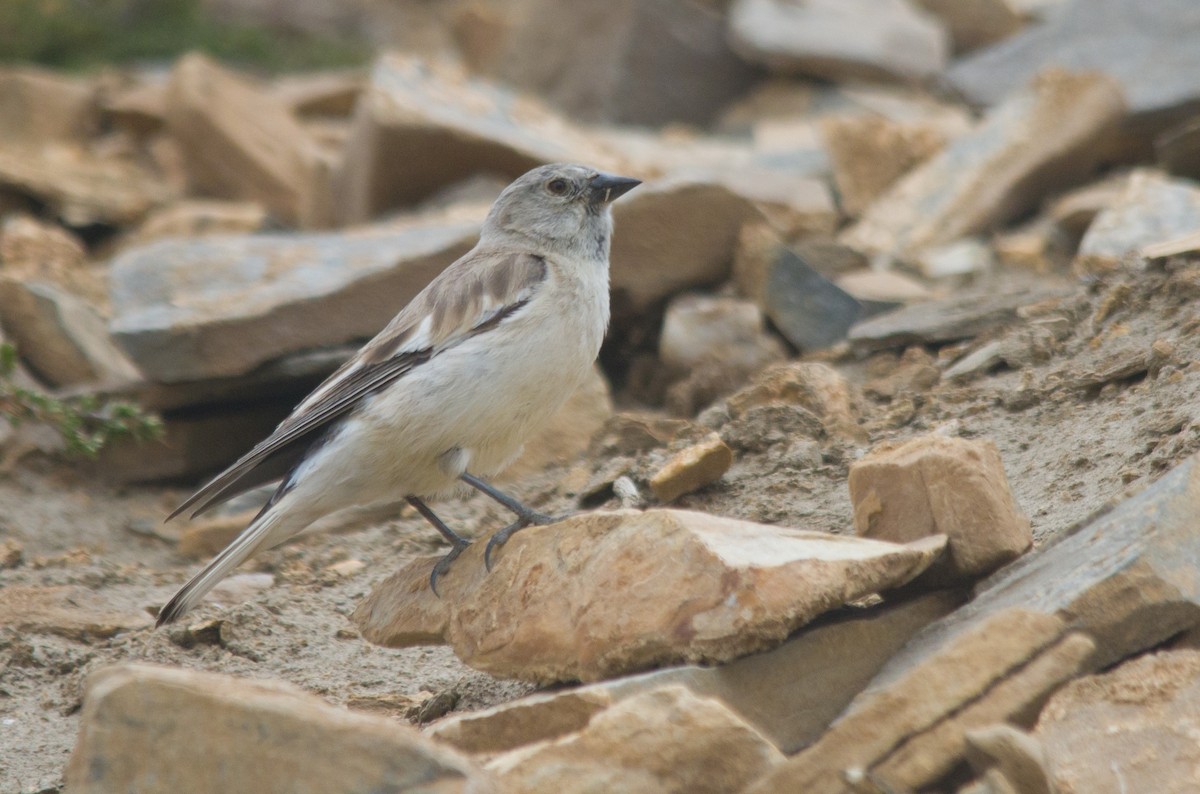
(85, 423)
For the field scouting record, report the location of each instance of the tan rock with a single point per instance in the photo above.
(534, 718)
(147, 728)
(1039, 139)
(139, 108)
(77, 613)
(1146, 711)
(200, 217)
(974, 23)
(910, 702)
(1010, 759)
(1153, 208)
(1075, 209)
(62, 338)
(745, 587)
(38, 106)
(35, 250)
(320, 93)
(208, 535)
(817, 387)
(935, 484)
(666, 740)
(869, 153)
(675, 233)
(883, 285)
(567, 434)
(240, 142)
(691, 469)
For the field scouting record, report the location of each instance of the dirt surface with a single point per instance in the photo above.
(1099, 395)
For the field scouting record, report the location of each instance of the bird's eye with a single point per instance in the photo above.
(557, 186)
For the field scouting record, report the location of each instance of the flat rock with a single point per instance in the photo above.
(416, 130)
(810, 311)
(639, 62)
(748, 586)
(940, 485)
(1119, 584)
(534, 718)
(241, 142)
(840, 40)
(37, 105)
(1040, 139)
(61, 336)
(198, 218)
(692, 468)
(883, 286)
(1147, 707)
(665, 740)
(1132, 41)
(221, 306)
(77, 613)
(673, 234)
(146, 728)
(325, 94)
(947, 320)
(1153, 208)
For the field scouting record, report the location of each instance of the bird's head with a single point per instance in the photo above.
(561, 207)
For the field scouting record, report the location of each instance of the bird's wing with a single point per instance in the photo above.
(471, 297)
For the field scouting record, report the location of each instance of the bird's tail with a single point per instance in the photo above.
(253, 538)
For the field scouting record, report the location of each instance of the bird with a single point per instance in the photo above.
(443, 398)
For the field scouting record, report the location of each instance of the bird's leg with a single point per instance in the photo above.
(458, 543)
(526, 516)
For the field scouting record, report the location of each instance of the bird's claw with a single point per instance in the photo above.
(443, 565)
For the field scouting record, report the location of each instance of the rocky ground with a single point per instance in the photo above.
(887, 479)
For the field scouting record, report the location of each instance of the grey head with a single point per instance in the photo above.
(560, 207)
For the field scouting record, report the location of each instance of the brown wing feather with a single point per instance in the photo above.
(470, 297)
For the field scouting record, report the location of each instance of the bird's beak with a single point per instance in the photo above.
(604, 188)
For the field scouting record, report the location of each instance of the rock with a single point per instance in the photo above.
(797, 204)
(1128, 40)
(81, 188)
(839, 40)
(905, 731)
(140, 108)
(533, 718)
(961, 258)
(914, 372)
(60, 336)
(816, 387)
(745, 588)
(676, 233)
(630, 62)
(208, 535)
(320, 93)
(808, 309)
(36, 251)
(77, 613)
(1147, 707)
(1040, 246)
(567, 434)
(883, 286)
(1008, 757)
(870, 152)
(699, 327)
(198, 218)
(416, 130)
(1153, 208)
(666, 740)
(146, 728)
(938, 485)
(1178, 149)
(39, 106)
(221, 306)
(691, 469)
(240, 142)
(1124, 581)
(975, 23)
(1041, 138)
(1075, 209)
(948, 320)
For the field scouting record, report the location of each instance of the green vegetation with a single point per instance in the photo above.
(86, 423)
(78, 34)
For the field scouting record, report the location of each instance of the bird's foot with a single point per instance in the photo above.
(527, 519)
(443, 565)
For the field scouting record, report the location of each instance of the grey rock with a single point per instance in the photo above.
(807, 308)
(840, 39)
(1153, 208)
(626, 61)
(1147, 45)
(188, 310)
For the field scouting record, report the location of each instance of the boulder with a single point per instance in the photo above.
(939, 485)
(663, 741)
(744, 586)
(1153, 208)
(221, 306)
(1041, 138)
(840, 39)
(148, 728)
(241, 142)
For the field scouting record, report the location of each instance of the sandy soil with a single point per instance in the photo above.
(1101, 395)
